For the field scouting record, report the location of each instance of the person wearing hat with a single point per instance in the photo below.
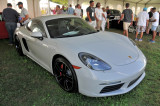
(142, 22)
(11, 18)
(24, 14)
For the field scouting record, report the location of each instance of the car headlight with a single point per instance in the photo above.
(132, 42)
(93, 62)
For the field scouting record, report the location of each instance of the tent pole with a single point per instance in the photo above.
(34, 9)
(105, 2)
(49, 7)
(147, 2)
(123, 4)
(136, 9)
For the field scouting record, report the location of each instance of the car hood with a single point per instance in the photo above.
(110, 47)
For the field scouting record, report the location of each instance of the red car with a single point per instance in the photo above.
(3, 30)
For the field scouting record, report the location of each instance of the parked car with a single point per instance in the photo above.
(96, 64)
(115, 14)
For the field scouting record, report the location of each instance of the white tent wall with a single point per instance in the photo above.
(154, 5)
(32, 6)
(3, 4)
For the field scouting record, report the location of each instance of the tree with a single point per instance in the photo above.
(63, 2)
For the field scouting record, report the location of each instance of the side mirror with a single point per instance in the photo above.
(37, 35)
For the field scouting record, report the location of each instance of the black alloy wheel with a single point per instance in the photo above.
(65, 75)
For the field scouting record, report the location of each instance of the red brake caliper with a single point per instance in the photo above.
(61, 68)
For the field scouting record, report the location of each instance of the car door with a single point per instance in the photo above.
(38, 48)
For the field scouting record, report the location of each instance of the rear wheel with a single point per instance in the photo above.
(65, 75)
(18, 46)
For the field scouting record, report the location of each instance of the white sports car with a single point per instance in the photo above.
(96, 64)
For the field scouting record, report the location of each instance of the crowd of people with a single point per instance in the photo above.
(148, 21)
(97, 17)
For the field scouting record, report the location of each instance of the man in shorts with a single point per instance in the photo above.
(91, 14)
(155, 23)
(141, 22)
(127, 16)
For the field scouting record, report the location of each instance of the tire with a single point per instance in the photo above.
(18, 46)
(65, 75)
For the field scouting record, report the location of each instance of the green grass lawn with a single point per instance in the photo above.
(23, 82)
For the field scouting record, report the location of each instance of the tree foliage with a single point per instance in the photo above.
(63, 2)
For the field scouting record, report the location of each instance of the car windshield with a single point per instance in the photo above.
(115, 12)
(68, 27)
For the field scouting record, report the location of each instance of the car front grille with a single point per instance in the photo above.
(132, 82)
(111, 88)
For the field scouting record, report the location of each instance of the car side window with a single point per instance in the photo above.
(36, 26)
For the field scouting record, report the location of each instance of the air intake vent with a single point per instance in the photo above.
(132, 82)
(111, 88)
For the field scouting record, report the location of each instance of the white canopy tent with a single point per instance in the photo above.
(35, 6)
(135, 5)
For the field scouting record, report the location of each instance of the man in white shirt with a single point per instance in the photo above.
(155, 23)
(98, 16)
(78, 11)
(142, 21)
(24, 14)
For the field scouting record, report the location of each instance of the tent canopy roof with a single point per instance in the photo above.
(142, 1)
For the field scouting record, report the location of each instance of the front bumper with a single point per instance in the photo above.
(101, 84)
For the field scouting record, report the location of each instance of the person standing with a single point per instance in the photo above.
(11, 18)
(104, 19)
(150, 23)
(70, 10)
(141, 22)
(53, 11)
(91, 14)
(158, 29)
(155, 23)
(24, 14)
(98, 16)
(108, 16)
(127, 16)
(78, 11)
(64, 10)
(58, 10)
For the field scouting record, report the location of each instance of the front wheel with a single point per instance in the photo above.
(18, 46)
(65, 75)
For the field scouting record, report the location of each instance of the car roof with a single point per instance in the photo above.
(50, 17)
